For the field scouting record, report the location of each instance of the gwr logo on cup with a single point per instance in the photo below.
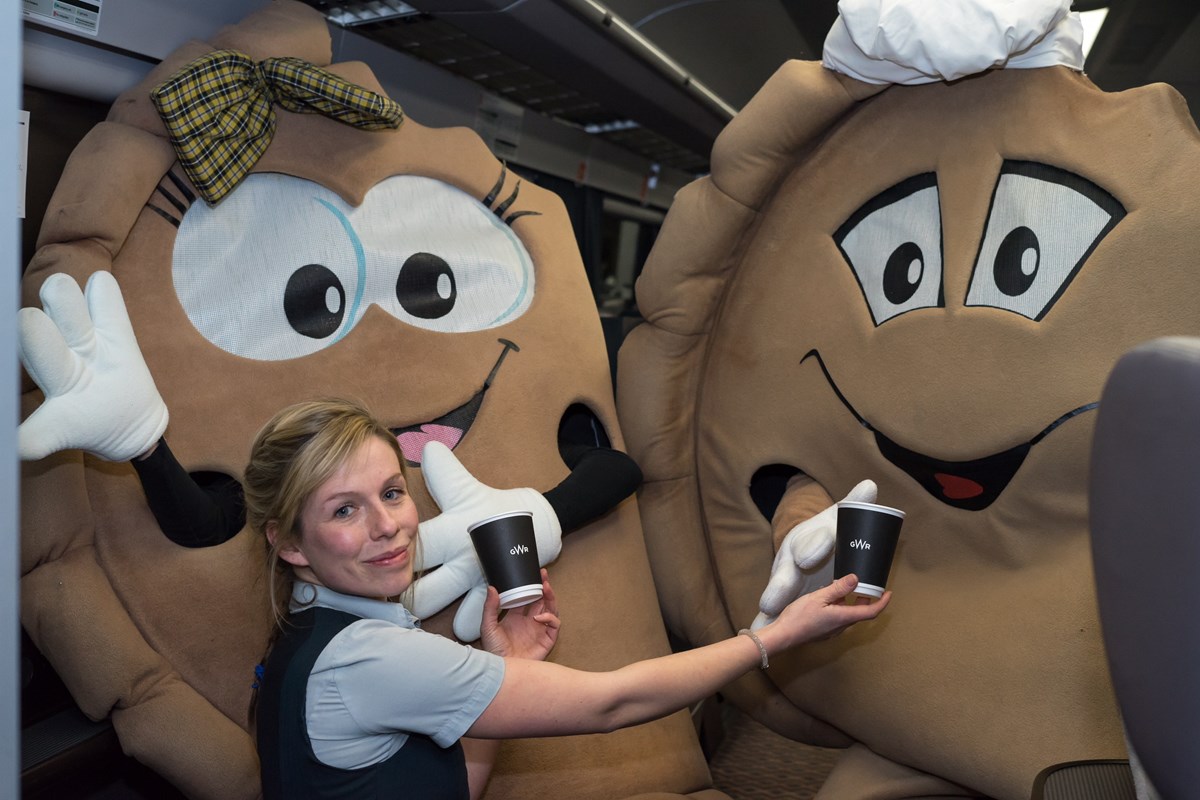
(507, 550)
(866, 541)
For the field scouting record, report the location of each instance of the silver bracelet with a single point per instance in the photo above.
(762, 649)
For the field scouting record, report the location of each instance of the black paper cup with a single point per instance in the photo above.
(507, 550)
(866, 542)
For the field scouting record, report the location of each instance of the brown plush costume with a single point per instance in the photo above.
(789, 323)
(165, 639)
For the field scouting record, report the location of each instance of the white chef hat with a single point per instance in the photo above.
(923, 41)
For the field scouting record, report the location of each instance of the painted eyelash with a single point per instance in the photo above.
(189, 197)
(508, 201)
(179, 205)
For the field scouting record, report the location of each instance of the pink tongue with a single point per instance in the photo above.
(413, 442)
(957, 488)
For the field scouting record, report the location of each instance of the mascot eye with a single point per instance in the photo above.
(425, 252)
(454, 266)
(1017, 261)
(236, 275)
(1043, 225)
(894, 246)
(426, 286)
(902, 275)
(314, 301)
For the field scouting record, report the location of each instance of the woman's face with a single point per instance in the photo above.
(359, 528)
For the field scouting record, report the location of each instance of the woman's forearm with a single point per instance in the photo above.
(647, 690)
(481, 757)
(545, 699)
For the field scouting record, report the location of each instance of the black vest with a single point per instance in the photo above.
(420, 770)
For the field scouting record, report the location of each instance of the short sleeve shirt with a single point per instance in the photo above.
(383, 678)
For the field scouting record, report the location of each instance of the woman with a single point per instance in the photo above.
(357, 700)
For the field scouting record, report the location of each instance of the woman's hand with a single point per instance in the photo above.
(528, 632)
(821, 615)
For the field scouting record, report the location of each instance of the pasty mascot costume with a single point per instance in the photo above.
(907, 278)
(363, 255)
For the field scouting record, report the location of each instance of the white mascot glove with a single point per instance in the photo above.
(446, 544)
(83, 355)
(804, 561)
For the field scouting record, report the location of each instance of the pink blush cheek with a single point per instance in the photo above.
(335, 544)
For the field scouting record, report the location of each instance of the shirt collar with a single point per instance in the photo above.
(306, 595)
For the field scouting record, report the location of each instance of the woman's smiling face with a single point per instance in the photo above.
(358, 529)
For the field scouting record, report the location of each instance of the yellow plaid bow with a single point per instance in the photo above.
(219, 116)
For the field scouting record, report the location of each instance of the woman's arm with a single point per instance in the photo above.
(527, 632)
(544, 699)
(481, 756)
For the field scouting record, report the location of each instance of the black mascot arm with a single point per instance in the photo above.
(198, 509)
(600, 479)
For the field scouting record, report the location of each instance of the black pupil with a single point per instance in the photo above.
(426, 287)
(314, 301)
(1013, 277)
(898, 285)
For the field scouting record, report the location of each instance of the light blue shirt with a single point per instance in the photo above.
(382, 678)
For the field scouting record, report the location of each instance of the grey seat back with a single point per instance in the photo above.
(1145, 520)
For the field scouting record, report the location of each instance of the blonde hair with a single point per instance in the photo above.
(294, 453)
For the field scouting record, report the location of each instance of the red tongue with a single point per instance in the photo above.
(957, 488)
(413, 442)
